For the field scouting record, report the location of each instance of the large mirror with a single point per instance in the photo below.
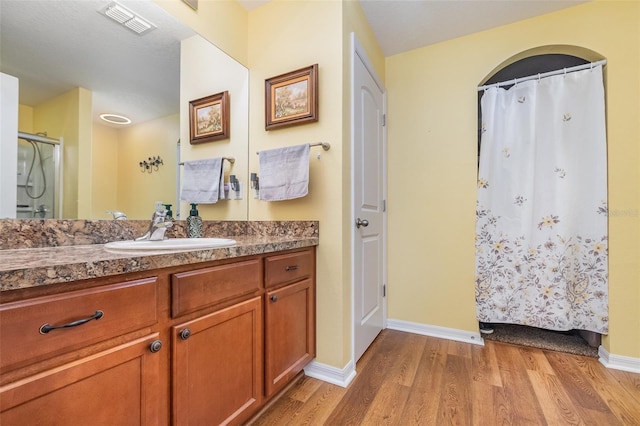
(74, 62)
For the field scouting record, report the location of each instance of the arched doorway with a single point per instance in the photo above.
(531, 63)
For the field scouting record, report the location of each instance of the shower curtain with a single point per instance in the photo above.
(541, 229)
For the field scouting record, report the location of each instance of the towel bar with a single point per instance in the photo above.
(325, 145)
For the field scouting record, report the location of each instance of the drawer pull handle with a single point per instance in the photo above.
(45, 328)
(291, 268)
(155, 346)
(273, 298)
(184, 334)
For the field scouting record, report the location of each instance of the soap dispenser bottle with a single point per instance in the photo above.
(194, 223)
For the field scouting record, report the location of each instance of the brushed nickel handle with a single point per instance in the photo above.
(273, 298)
(45, 328)
(185, 334)
(291, 268)
(361, 222)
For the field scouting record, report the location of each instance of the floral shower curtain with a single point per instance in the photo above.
(541, 230)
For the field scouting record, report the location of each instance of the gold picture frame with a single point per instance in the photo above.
(292, 98)
(209, 118)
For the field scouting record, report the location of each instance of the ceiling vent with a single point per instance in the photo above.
(129, 19)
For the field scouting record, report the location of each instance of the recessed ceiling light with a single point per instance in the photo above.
(126, 17)
(115, 118)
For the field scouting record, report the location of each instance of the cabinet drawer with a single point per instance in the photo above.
(287, 268)
(125, 307)
(199, 289)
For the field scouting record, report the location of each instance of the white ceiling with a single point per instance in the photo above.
(402, 25)
(139, 76)
(53, 46)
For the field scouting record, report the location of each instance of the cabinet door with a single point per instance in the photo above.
(217, 366)
(115, 387)
(289, 333)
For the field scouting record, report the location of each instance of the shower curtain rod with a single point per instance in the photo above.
(545, 74)
(38, 138)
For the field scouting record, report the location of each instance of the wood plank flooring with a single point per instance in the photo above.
(408, 379)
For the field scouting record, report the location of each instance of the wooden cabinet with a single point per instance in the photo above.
(28, 326)
(198, 289)
(289, 317)
(196, 344)
(220, 371)
(289, 333)
(112, 383)
(217, 366)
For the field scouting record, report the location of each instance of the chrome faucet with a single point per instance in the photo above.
(157, 228)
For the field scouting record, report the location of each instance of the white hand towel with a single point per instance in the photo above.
(203, 181)
(284, 173)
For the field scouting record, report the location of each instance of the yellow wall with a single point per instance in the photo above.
(314, 32)
(69, 116)
(432, 137)
(104, 167)
(138, 191)
(223, 22)
(85, 127)
(355, 21)
(25, 119)
(118, 183)
(285, 36)
(432, 145)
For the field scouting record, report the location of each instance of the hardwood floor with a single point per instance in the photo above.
(408, 379)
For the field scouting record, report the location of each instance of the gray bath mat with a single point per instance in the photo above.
(561, 341)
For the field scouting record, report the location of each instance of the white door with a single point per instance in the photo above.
(368, 204)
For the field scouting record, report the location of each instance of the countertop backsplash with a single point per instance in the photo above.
(34, 233)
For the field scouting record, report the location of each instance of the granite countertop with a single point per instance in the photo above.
(23, 268)
(44, 252)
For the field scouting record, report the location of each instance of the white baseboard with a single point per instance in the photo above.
(435, 331)
(326, 373)
(619, 362)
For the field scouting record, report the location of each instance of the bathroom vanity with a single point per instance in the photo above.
(196, 337)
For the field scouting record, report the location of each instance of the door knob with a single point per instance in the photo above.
(361, 222)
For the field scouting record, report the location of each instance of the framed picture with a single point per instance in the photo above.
(209, 118)
(292, 98)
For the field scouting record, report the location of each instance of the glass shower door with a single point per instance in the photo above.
(37, 180)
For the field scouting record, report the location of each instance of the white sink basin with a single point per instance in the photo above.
(171, 244)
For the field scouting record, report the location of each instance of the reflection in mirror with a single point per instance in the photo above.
(206, 70)
(75, 63)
